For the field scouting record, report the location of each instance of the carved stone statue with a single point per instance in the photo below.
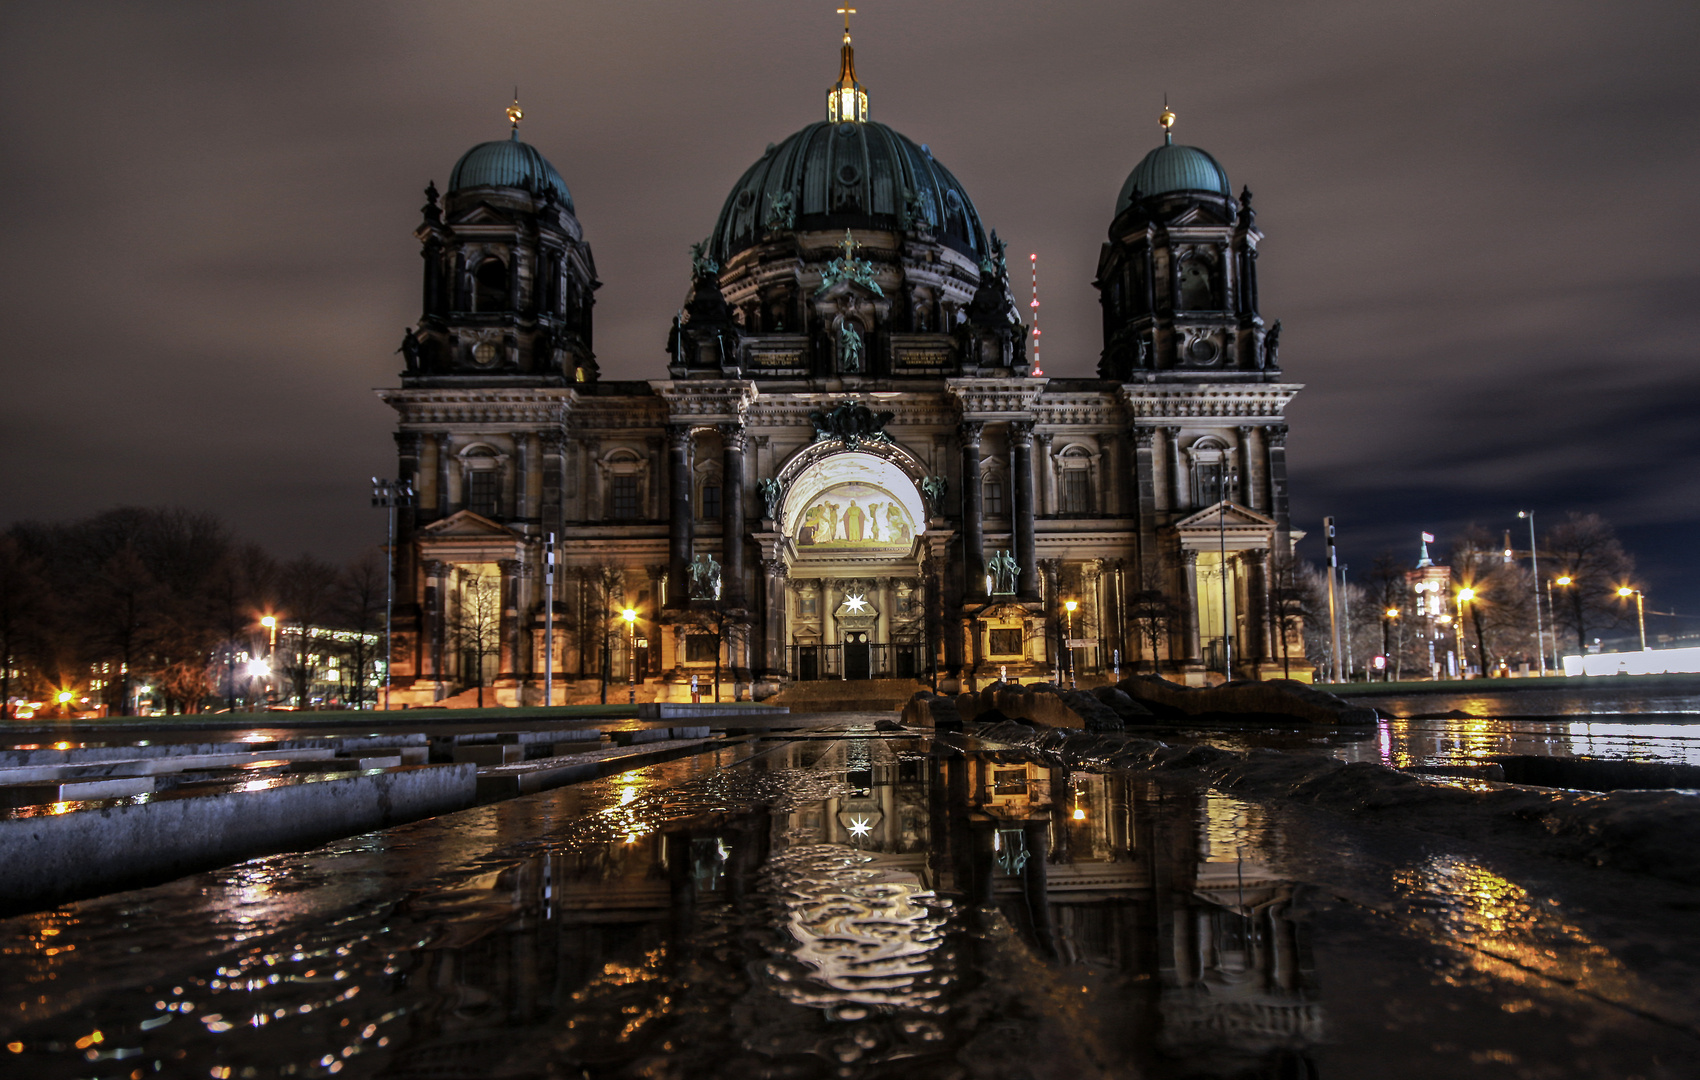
(705, 578)
(702, 263)
(934, 488)
(770, 494)
(410, 350)
(1272, 346)
(851, 422)
(781, 212)
(850, 348)
(1004, 573)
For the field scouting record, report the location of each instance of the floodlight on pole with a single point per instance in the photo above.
(1535, 570)
(389, 495)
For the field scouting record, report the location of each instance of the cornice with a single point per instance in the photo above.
(706, 401)
(996, 399)
(541, 405)
(1252, 400)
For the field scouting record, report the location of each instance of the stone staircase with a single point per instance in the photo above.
(857, 695)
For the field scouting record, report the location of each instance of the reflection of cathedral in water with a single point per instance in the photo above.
(894, 907)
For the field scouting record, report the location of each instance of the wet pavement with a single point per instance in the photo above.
(860, 904)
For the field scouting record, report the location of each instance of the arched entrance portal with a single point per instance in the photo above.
(852, 523)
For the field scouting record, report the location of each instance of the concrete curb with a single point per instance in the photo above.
(51, 858)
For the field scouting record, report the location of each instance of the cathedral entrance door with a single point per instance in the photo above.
(856, 658)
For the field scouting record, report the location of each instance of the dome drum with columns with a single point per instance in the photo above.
(850, 470)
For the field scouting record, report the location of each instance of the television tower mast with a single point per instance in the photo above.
(1033, 261)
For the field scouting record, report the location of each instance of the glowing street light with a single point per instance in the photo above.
(1465, 595)
(1640, 610)
(630, 615)
(1068, 636)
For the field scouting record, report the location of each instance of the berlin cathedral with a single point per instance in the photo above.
(851, 466)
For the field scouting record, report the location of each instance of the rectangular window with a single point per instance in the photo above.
(1009, 781)
(1209, 482)
(711, 502)
(1076, 492)
(1004, 642)
(701, 649)
(994, 498)
(623, 497)
(481, 490)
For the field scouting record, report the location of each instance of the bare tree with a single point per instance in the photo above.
(477, 627)
(1290, 604)
(1585, 549)
(306, 589)
(1391, 595)
(1500, 611)
(360, 610)
(1153, 613)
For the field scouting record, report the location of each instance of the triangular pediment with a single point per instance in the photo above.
(1228, 514)
(466, 525)
(483, 214)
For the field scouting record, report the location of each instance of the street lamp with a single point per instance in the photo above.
(65, 697)
(1068, 637)
(1640, 610)
(1392, 615)
(1535, 569)
(389, 494)
(1464, 597)
(270, 623)
(630, 615)
(1565, 580)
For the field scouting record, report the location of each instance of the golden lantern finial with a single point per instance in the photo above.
(847, 100)
(1167, 121)
(515, 113)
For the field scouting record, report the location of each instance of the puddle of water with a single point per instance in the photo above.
(833, 907)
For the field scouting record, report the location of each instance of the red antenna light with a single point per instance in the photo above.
(1033, 260)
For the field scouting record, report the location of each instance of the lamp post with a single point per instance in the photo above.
(270, 623)
(1565, 580)
(1640, 610)
(65, 697)
(549, 622)
(389, 494)
(1391, 615)
(1464, 598)
(1068, 637)
(630, 615)
(1226, 478)
(1535, 569)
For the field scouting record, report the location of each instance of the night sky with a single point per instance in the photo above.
(1483, 235)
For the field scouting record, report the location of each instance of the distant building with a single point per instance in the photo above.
(1431, 609)
(849, 467)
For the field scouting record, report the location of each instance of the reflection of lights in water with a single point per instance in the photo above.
(625, 816)
(1225, 825)
(1509, 934)
(861, 935)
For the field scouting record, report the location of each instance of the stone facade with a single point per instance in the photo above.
(851, 469)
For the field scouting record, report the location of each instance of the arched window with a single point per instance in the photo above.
(1198, 284)
(1075, 467)
(490, 286)
(1210, 471)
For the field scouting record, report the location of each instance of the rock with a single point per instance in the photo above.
(1098, 717)
(887, 725)
(1277, 697)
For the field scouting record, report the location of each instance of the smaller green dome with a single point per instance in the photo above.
(509, 163)
(1169, 169)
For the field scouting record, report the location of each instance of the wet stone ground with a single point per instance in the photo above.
(863, 904)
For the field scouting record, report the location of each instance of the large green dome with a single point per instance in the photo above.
(851, 175)
(1170, 169)
(509, 163)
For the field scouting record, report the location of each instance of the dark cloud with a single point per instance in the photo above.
(1482, 239)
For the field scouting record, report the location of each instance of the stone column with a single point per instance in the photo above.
(444, 461)
(973, 517)
(1092, 587)
(1021, 471)
(773, 626)
(551, 503)
(1145, 460)
(1249, 492)
(1189, 567)
(436, 620)
(508, 658)
(408, 448)
(657, 585)
(733, 438)
(593, 485)
(1180, 485)
(652, 493)
(1257, 606)
(522, 479)
(1275, 435)
(679, 519)
(1047, 477)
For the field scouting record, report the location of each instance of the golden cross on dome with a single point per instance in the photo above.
(847, 12)
(849, 245)
(515, 113)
